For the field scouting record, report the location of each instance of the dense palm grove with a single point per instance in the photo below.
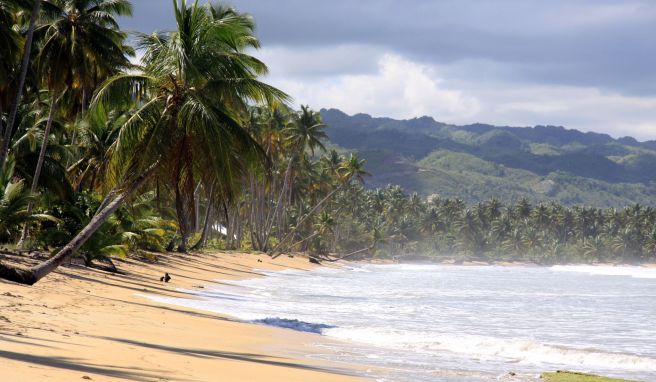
(544, 233)
(101, 157)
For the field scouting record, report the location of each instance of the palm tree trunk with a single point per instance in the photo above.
(2, 125)
(30, 276)
(27, 51)
(303, 219)
(202, 242)
(227, 224)
(182, 247)
(197, 205)
(39, 166)
(206, 224)
(278, 209)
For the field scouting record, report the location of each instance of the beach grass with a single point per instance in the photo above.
(568, 376)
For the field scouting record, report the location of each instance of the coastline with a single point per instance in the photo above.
(444, 260)
(83, 323)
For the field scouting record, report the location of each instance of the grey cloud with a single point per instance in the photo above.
(546, 42)
(601, 43)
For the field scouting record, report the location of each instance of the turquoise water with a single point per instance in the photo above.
(455, 323)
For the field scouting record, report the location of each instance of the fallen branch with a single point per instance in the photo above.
(345, 256)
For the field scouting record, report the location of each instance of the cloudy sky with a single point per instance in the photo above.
(584, 64)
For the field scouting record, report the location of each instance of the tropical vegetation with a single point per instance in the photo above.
(102, 157)
(163, 154)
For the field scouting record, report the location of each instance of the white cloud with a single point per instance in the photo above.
(395, 86)
(398, 88)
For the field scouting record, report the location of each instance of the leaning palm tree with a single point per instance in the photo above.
(194, 82)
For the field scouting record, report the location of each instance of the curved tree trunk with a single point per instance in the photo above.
(39, 166)
(27, 52)
(275, 252)
(33, 274)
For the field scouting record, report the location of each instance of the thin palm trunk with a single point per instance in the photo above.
(278, 209)
(32, 275)
(39, 166)
(27, 52)
(206, 224)
(2, 125)
(197, 204)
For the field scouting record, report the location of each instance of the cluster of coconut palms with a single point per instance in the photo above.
(545, 233)
(101, 155)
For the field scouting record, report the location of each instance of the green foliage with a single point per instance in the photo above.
(134, 227)
(14, 199)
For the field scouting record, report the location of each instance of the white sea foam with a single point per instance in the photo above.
(606, 270)
(523, 351)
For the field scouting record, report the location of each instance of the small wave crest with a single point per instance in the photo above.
(607, 270)
(293, 324)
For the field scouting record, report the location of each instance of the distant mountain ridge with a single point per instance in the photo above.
(480, 161)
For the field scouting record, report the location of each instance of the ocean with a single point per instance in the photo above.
(459, 323)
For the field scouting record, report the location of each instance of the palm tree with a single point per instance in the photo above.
(82, 44)
(304, 133)
(351, 169)
(194, 84)
(197, 81)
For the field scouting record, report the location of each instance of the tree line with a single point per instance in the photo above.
(397, 224)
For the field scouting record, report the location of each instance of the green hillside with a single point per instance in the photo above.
(479, 162)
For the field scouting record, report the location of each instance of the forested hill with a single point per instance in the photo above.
(479, 162)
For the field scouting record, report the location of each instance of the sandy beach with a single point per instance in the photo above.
(86, 324)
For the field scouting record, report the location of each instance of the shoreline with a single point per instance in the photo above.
(427, 260)
(82, 323)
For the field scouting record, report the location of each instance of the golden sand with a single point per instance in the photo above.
(86, 324)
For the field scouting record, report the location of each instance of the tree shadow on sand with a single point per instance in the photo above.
(234, 356)
(76, 364)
